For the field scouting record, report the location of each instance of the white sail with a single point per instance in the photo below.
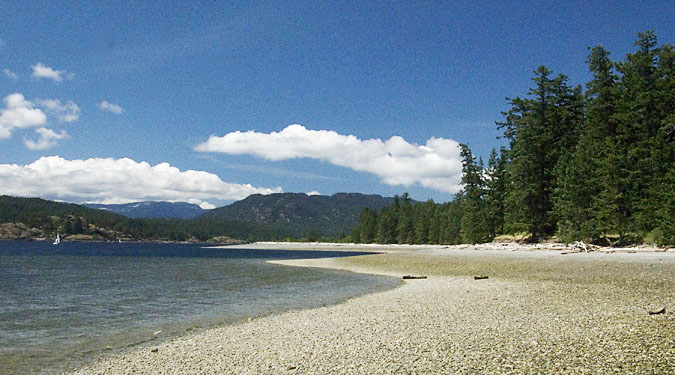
(57, 240)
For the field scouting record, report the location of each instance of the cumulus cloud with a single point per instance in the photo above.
(111, 181)
(47, 139)
(42, 71)
(203, 205)
(10, 74)
(67, 112)
(109, 107)
(436, 165)
(19, 113)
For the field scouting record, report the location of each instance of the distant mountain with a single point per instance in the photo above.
(296, 214)
(32, 218)
(151, 210)
(256, 218)
(35, 218)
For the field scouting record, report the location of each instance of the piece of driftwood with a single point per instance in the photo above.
(412, 277)
(662, 311)
(578, 247)
(480, 277)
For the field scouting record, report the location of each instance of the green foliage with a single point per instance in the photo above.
(329, 218)
(617, 181)
(474, 226)
(495, 192)
(541, 129)
(597, 166)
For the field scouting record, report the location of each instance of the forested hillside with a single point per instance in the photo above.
(39, 218)
(274, 217)
(299, 214)
(596, 165)
(151, 210)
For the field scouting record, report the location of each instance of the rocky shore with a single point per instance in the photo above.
(536, 312)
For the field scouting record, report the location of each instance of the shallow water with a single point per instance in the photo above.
(63, 305)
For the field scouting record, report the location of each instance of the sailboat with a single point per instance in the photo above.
(57, 240)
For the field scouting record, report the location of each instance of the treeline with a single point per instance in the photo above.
(71, 219)
(595, 165)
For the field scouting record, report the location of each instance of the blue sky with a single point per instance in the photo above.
(119, 102)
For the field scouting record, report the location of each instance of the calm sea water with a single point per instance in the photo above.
(61, 306)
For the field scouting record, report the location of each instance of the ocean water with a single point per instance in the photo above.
(62, 306)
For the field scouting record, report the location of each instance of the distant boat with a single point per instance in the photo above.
(57, 240)
(119, 240)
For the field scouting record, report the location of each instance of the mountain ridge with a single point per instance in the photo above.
(256, 218)
(326, 215)
(152, 209)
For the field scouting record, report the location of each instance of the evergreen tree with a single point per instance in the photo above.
(367, 227)
(540, 130)
(495, 192)
(424, 219)
(405, 230)
(451, 234)
(582, 176)
(386, 226)
(663, 151)
(588, 166)
(436, 225)
(639, 123)
(474, 227)
(77, 225)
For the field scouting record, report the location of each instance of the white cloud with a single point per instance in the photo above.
(67, 112)
(107, 180)
(47, 139)
(109, 107)
(436, 165)
(10, 74)
(42, 71)
(203, 205)
(313, 192)
(19, 113)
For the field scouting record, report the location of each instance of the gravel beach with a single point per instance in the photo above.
(537, 312)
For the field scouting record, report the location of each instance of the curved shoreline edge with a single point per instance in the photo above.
(538, 312)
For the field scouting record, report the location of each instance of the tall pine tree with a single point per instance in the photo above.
(541, 130)
(474, 227)
(581, 210)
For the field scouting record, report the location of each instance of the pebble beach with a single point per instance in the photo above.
(531, 311)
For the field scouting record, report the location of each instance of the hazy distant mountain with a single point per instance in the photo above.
(149, 210)
(298, 213)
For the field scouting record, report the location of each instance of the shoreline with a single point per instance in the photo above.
(490, 246)
(539, 311)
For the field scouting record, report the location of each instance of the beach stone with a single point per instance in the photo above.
(534, 316)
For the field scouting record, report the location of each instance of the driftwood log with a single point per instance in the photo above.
(412, 277)
(578, 247)
(480, 277)
(662, 311)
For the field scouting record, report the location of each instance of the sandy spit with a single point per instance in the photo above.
(538, 312)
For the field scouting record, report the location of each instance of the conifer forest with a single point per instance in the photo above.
(593, 163)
